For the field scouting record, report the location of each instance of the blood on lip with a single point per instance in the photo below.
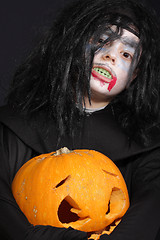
(104, 80)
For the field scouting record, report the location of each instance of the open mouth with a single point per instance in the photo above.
(104, 75)
(103, 72)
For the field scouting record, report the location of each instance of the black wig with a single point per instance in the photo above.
(55, 77)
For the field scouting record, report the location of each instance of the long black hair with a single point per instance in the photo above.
(55, 76)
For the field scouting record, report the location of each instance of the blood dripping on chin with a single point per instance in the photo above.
(111, 84)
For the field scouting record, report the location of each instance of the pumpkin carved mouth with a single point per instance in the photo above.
(68, 210)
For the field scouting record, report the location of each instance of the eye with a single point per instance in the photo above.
(100, 40)
(103, 38)
(127, 55)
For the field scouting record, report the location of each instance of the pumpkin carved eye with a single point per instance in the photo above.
(62, 182)
(110, 173)
(82, 188)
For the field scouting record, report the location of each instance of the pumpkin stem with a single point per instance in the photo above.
(62, 150)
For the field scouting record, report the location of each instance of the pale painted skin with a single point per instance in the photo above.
(116, 57)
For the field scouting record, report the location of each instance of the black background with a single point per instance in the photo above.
(20, 22)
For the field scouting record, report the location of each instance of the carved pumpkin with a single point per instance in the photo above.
(82, 188)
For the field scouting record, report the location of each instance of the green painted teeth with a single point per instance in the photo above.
(103, 72)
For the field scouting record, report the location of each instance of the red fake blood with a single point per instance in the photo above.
(104, 80)
(112, 83)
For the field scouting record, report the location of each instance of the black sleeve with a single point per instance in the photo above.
(13, 224)
(141, 222)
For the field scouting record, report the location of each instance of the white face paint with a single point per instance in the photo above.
(111, 65)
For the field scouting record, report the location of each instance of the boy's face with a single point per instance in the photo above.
(111, 65)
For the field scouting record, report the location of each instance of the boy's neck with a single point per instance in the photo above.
(95, 104)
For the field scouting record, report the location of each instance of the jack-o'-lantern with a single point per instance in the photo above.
(82, 188)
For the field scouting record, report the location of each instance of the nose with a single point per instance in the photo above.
(109, 56)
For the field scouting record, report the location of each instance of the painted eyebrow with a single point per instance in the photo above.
(129, 42)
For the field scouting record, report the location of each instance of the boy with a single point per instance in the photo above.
(92, 82)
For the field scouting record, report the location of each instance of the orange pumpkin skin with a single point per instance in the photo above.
(86, 180)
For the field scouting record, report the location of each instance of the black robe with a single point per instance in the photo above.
(21, 140)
